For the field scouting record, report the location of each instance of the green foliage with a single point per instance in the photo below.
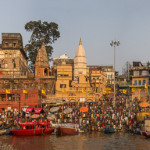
(41, 32)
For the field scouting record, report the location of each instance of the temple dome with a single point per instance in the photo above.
(80, 52)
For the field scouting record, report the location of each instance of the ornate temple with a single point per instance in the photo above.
(75, 82)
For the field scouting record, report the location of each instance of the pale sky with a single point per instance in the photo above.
(96, 22)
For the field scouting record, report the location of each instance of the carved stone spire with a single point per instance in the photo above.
(42, 58)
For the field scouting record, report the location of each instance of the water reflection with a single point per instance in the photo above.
(93, 141)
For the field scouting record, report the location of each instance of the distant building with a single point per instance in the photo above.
(109, 71)
(97, 78)
(62, 60)
(123, 84)
(140, 80)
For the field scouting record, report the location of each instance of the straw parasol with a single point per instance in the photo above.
(51, 117)
(54, 109)
(68, 110)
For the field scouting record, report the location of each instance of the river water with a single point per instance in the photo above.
(84, 141)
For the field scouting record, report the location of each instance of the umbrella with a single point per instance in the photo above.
(68, 110)
(83, 109)
(34, 116)
(51, 117)
(54, 109)
(144, 104)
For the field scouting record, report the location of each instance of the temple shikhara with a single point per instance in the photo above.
(68, 79)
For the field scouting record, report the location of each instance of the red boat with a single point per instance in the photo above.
(147, 134)
(46, 126)
(33, 128)
(66, 131)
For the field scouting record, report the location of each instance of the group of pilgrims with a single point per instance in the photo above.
(98, 116)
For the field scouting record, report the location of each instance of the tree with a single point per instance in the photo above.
(41, 32)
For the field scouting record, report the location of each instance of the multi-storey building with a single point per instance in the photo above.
(109, 71)
(97, 79)
(13, 57)
(18, 86)
(140, 80)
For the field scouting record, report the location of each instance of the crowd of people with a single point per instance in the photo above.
(99, 114)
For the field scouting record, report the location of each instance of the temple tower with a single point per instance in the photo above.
(80, 64)
(42, 63)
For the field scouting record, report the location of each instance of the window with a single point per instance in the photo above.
(62, 85)
(111, 76)
(10, 55)
(6, 44)
(144, 81)
(5, 54)
(135, 82)
(139, 82)
(0, 66)
(14, 44)
(14, 65)
(70, 81)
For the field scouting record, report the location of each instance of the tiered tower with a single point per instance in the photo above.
(42, 64)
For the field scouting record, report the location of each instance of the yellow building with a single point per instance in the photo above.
(140, 79)
(74, 83)
(98, 79)
(64, 79)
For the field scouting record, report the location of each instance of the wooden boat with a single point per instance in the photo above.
(109, 130)
(146, 134)
(66, 131)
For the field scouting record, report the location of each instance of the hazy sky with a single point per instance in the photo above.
(96, 22)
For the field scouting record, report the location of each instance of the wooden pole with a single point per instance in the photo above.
(62, 111)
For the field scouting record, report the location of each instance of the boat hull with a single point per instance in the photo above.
(48, 130)
(66, 131)
(146, 134)
(27, 132)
